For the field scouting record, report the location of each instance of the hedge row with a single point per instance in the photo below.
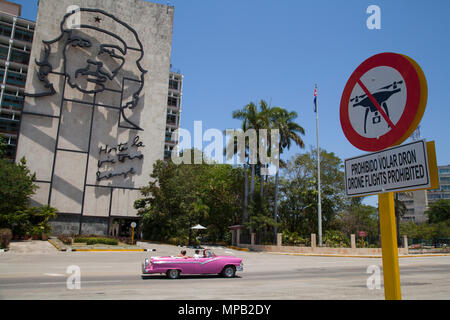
(90, 241)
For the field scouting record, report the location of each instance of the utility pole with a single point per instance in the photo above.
(316, 109)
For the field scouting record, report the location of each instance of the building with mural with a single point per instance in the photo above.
(95, 113)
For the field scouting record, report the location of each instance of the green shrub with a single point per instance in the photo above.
(108, 241)
(335, 239)
(178, 241)
(93, 240)
(65, 239)
(294, 239)
(361, 243)
(5, 238)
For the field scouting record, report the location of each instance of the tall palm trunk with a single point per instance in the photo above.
(261, 181)
(275, 211)
(245, 213)
(252, 183)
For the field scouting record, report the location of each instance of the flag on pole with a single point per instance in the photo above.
(315, 99)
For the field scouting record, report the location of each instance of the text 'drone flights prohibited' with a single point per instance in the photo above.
(399, 168)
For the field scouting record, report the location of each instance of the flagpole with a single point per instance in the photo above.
(318, 171)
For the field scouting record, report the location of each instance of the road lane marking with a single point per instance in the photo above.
(84, 281)
(62, 283)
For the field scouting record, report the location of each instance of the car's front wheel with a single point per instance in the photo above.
(229, 271)
(173, 274)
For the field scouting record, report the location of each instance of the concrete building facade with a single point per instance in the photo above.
(444, 185)
(16, 36)
(95, 110)
(173, 112)
(416, 203)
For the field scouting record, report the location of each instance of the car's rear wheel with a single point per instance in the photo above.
(229, 271)
(173, 274)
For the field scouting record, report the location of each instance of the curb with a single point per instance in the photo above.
(323, 255)
(56, 245)
(238, 248)
(112, 250)
(4, 250)
(354, 256)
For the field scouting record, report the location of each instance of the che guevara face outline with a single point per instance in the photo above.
(93, 70)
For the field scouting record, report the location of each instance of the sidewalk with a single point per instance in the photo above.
(31, 247)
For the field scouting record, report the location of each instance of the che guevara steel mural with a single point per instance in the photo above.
(89, 67)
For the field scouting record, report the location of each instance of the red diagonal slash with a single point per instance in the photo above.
(375, 103)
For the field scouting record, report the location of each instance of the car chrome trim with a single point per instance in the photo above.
(214, 259)
(186, 262)
(162, 262)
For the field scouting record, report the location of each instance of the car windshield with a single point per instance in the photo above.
(207, 253)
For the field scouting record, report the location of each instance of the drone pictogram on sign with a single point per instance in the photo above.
(383, 101)
(381, 97)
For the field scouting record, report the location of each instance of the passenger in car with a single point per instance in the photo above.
(197, 254)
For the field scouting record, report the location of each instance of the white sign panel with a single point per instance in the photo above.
(404, 167)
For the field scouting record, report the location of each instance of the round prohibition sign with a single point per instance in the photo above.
(383, 101)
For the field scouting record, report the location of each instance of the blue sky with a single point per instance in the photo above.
(236, 51)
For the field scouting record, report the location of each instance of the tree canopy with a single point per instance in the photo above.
(16, 188)
(180, 196)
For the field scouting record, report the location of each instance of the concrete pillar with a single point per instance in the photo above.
(238, 237)
(233, 237)
(313, 240)
(405, 243)
(353, 241)
(252, 239)
(279, 239)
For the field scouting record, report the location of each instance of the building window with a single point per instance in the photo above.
(23, 35)
(172, 101)
(20, 57)
(171, 119)
(15, 79)
(173, 84)
(5, 31)
(3, 53)
(12, 102)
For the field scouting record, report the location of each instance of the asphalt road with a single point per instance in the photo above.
(116, 275)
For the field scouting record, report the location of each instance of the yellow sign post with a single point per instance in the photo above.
(133, 225)
(391, 272)
(410, 86)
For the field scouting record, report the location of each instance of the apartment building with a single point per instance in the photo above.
(173, 111)
(16, 36)
(444, 185)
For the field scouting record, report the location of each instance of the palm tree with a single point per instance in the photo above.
(289, 132)
(264, 122)
(266, 117)
(250, 116)
(233, 144)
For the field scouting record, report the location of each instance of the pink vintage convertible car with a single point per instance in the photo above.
(209, 263)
